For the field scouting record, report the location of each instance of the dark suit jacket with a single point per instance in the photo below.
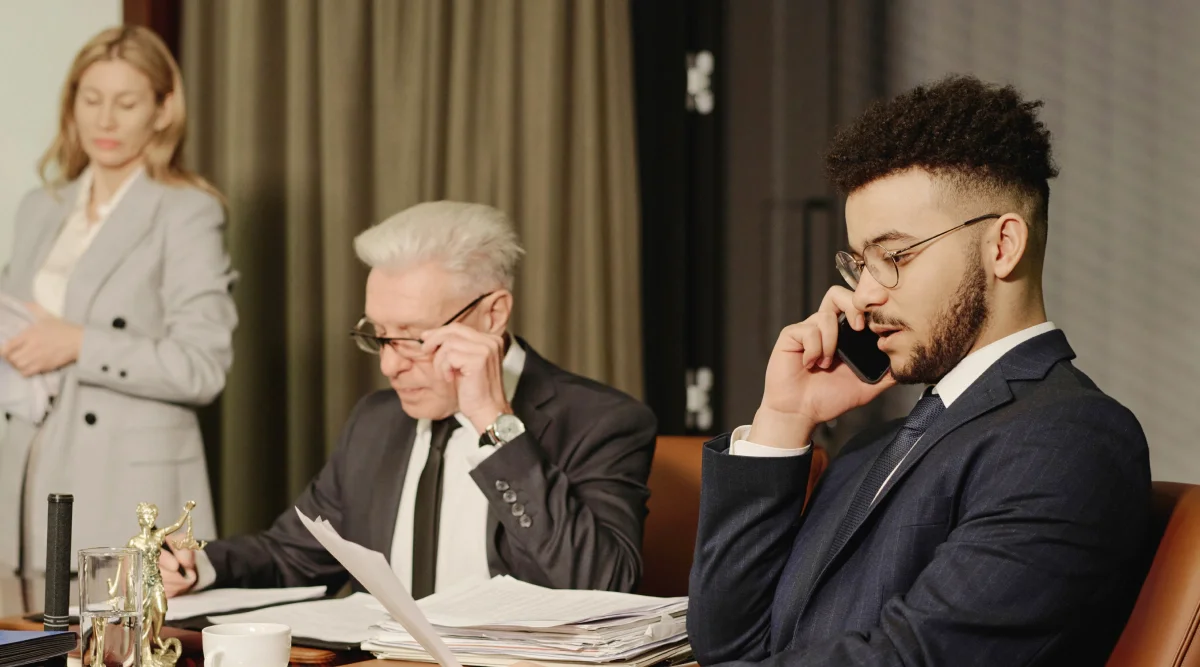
(580, 470)
(1010, 535)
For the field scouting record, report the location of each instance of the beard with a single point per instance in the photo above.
(955, 330)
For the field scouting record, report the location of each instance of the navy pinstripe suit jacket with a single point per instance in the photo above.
(1012, 534)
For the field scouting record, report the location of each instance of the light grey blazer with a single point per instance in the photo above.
(153, 295)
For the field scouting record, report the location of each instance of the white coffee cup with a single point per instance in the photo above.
(247, 645)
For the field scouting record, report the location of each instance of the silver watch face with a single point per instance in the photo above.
(508, 427)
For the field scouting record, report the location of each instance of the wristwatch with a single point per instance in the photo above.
(504, 430)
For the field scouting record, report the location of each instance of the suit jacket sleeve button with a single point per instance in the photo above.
(89, 418)
(518, 509)
(502, 485)
(526, 521)
(509, 496)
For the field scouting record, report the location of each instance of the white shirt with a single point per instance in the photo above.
(462, 529)
(957, 381)
(76, 236)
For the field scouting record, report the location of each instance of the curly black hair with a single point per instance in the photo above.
(984, 138)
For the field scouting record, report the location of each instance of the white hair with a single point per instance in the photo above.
(473, 240)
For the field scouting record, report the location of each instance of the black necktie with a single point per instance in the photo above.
(428, 511)
(923, 415)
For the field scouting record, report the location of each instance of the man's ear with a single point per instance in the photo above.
(497, 311)
(1007, 244)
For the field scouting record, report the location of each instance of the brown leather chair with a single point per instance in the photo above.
(670, 537)
(1161, 632)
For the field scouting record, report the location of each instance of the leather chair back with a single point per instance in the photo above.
(670, 538)
(1161, 631)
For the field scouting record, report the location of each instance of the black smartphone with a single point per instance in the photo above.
(860, 351)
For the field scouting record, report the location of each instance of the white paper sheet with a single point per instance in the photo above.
(372, 570)
(505, 619)
(27, 397)
(350, 620)
(509, 602)
(221, 600)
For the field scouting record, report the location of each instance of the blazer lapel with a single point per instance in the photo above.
(1031, 360)
(47, 233)
(989, 392)
(131, 220)
(534, 390)
(389, 481)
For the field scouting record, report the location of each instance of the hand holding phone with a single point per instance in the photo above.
(808, 380)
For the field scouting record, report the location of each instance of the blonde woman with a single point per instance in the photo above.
(121, 260)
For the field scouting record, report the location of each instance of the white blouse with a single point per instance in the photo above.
(76, 236)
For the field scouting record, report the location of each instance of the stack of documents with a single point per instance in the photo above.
(33, 648)
(504, 620)
(491, 623)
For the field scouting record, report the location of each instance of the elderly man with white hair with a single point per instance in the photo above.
(493, 460)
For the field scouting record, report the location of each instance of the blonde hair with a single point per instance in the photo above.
(473, 240)
(142, 49)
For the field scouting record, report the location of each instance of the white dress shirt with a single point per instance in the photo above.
(76, 236)
(462, 528)
(957, 381)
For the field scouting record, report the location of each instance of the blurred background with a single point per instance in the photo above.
(663, 162)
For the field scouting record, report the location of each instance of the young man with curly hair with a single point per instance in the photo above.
(1003, 522)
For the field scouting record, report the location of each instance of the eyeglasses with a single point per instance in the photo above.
(365, 334)
(881, 262)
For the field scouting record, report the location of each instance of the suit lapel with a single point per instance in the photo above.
(1031, 360)
(389, 480)
(989, 392)
(47, 233)
(131, 220)
(534, 389)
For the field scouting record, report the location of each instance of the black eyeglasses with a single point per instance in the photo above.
(365, 334)
(881, 262)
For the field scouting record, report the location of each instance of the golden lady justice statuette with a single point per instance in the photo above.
(157, 652)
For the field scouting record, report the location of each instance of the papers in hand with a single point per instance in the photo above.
(372, 570)
(28, 398)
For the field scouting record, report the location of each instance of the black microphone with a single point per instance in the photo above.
(56, 617)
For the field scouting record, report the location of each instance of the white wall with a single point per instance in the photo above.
(1120, 81)
(38, 39)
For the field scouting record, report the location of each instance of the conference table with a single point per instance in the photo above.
(13, 616)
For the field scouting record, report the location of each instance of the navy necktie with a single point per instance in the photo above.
(923, 415)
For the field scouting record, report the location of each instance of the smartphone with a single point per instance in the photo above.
(860, 351)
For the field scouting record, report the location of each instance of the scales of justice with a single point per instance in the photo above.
(155, 651)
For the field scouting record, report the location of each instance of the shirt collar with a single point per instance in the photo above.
(975, 364)
(85, 191)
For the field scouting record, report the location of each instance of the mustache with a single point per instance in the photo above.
(886, 321)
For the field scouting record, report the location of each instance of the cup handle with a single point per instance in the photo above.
(212, 659)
